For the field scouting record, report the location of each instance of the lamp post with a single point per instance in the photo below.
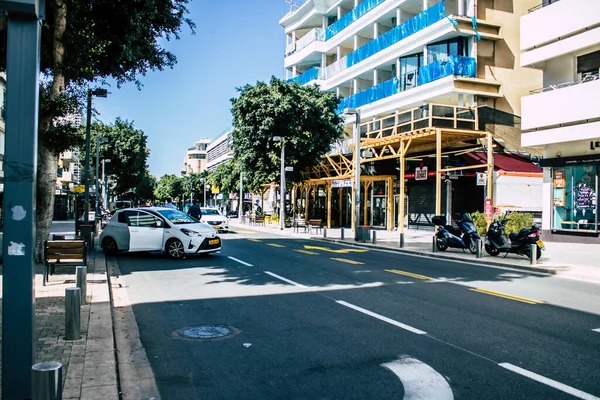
(98, 141)
(356, 134)
(281, 183)
(241, 212)
(105, 185)
(98, 92)
(203, 191)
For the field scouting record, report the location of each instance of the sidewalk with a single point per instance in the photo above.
(89, 367)
(566, 260)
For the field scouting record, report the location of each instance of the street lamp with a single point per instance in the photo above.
(105, 185)
(241, 205)
(282, 182)
(98, 141)
(203, 191)
(356, 134)
(98, 92)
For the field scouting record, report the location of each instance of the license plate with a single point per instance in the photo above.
(214, 241)
(217, 227)
(541, 244)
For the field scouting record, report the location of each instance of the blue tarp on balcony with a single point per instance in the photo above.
(352, 15)
(418, 22)
(453, 65)
(371, 95)
(306, 77)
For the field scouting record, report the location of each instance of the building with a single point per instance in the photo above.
(562, 116)
(195, 160)
(2, 127)
(416, 70)
(219, 151)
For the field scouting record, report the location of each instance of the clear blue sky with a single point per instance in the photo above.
(236, 42)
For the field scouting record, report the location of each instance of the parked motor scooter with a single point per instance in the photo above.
(465, 237)
(497, 242)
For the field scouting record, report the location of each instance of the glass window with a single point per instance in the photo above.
(177, 217)
(408, 70)
(441, 50)
(575, 198)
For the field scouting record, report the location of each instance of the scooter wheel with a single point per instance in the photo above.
(491, 250)
(441, 244)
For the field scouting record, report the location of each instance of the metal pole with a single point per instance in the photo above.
(96, 180)
(434, 244)
(204, 186)
(72, 313)
(20, 162)
(533, 254)
(374, 237)
(81, 282)
(46, 381)
(342, 233)
(325, 232)
(479, 248)
(241, 197)
(282, 188)
(356, 174)
(104, 192)
(86, 171)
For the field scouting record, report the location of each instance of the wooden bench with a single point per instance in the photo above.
(300, 223)
(314, 224)
(63, 252)
(259, 220)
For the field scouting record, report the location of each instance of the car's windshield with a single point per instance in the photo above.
(209, 211)
(177, 217)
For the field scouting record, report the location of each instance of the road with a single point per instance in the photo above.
(321, 321)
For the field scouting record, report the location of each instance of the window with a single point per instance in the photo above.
(125, 215)
(575, 198)
(409, 66)
(588, 66)
(441, 50)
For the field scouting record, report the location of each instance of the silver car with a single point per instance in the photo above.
(158, 229)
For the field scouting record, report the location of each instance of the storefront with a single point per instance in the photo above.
(571, 209)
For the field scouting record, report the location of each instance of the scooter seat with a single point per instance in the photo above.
(513, 236)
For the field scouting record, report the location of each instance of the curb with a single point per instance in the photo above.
(550, 271)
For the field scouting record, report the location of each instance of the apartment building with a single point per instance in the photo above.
(407, 65)
(220, 150)
(195, 160)
(2, 126)
(562, 116)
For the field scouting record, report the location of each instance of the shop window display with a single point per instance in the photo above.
(575, 198)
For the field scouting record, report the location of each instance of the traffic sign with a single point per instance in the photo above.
(481, 178)
(488, 209)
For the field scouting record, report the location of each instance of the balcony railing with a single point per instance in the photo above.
(549, 88)
(545, 3)
(303, 79)
(361, 9)
(453, 65)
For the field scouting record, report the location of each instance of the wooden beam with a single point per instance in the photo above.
(438, 172)
(464, 168)
(402, 187)
(390, 204)
(490, 167)
(328, 204)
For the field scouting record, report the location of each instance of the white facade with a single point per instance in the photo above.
(219, 151)
(562, 39)
(2, 126)
(195, 160)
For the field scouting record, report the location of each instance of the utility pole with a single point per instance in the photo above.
(241, 212)
(20, 163)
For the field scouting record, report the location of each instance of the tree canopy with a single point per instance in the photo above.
(304, 115)
(169, 185)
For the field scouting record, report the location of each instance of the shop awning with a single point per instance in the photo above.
(503, 162)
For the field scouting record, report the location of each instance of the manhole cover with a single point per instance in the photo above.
(206, 332)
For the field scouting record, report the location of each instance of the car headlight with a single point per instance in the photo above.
(189, 232)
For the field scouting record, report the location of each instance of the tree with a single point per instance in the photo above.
(304, 115)
(127, 151)
(85, 43)
(226, 177)
(168, 186)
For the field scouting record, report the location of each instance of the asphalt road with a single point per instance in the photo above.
(322, 321)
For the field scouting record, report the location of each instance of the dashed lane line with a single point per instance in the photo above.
(312, 253)
(240, 261)
(416, 276)
(345, 260)
(382, 318)
(507, 296)
(275, 245)
(255, 240)
(281, 278)
(596, 330)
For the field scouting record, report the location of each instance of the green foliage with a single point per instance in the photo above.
(480, 222)
(305, 116)
(168, 186)
(192, 183)
(227, 178)
(127, 151)
(517, 221)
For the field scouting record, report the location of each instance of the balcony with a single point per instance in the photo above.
(453, 66)
(66, 177)
(69, 157)
(312, 74)
(558, 21)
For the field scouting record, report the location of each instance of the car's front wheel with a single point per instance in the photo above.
(109, 245)
(174, 249)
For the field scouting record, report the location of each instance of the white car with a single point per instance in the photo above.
(158, 229)
(213, 217)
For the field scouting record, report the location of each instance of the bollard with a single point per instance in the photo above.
(401, 243)
(46, 381)
(479, 248)
(374, 237)
(533, 254)
(72, 314)
(325, 232)
(81, 283)
(434, 245)
(342, 234)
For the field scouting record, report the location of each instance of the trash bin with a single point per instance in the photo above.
(87, 233)
(363, 233)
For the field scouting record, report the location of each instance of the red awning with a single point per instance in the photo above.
(503, 162)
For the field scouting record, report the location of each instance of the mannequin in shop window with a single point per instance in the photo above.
(585, 197)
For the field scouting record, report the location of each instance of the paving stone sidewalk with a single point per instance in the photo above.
(89, 366)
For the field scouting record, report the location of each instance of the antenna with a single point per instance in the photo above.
(292, 4)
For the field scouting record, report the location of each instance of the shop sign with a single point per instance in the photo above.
(79, 189)
(488, 209)
(594, 145)
(481, 178)
(559, 178)
(341, 183)
(421, 174)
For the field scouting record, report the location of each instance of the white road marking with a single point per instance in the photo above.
(547, 381)
(596, 330)
(281, 278)
(382, 318)
(240, 261)
(420, 381)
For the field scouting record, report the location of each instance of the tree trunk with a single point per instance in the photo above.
(46, 186)
(47, 158)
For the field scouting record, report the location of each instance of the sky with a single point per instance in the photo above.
(236, 42)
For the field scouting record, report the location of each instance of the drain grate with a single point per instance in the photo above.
(206, 332)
